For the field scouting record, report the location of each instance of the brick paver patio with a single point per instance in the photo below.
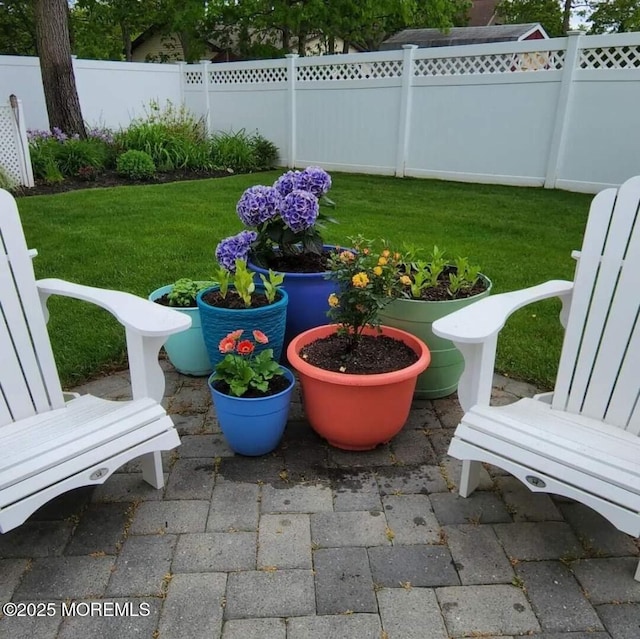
(311, 542)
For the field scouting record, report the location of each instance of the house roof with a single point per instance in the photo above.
(482, 12)
(461, 35)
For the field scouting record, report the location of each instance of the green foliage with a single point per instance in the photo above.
(547, 12)
(17, 28)
(136, 165)
(243, 282)
(172, 136)
(223, 278)
(234, 151)
(242, 369)
(184, 292)
(418, 275)
(614, 16)
(271, 284)
(73, 154)
(366, 281)
(265, 152)
(51, 172)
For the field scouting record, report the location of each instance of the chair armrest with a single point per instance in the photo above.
(474, 330)
(486, 317)
(147, 327)
(133, 312)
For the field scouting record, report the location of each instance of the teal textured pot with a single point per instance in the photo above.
(416, 317)
(253, 426)
(186, 350)
(218, 322)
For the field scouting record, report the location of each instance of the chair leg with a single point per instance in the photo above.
(470, 477)
(152, 469)
(637, 576)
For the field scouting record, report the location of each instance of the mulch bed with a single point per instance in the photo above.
(111, 178)
(375, 354)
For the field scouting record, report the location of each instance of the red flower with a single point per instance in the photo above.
(227, 344)
(245, 347)
(260, 337)
(236, 334)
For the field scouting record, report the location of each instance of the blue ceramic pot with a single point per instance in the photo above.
(308, 299)
(186, 350)
(217, 323)
(253, 426)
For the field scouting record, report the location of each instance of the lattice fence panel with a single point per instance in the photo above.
(193, 78)
(610, 58)
(496, 63)
(351, 71)
(9, 149)
(270, 75)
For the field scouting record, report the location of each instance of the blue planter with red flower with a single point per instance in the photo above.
(218, 322)
(253, 426)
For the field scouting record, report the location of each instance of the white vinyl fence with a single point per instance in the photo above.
(14, 149)
(560, 113)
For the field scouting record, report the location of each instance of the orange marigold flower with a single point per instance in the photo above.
(365, 251)
(346, 256)
(406, 280)
(386, 253)
(396, 256)
(227, 344)
(260, 337)
(245, 347)
(360, 280)
(382, 261)
(377, 270)
(333, 300)
(236, 334)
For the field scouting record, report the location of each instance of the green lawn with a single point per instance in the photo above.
(139, 238)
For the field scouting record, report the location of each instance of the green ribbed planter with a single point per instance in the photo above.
(416, 317)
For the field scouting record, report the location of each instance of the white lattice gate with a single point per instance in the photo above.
(14, 147)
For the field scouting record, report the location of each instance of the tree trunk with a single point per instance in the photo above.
(566, 15)
(302, 43)
(286, 39)
(126, 41)
(331, 45)
(58, 80)
(345, 46)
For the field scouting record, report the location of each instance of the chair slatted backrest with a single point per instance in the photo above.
(29, 382)
(598, 374)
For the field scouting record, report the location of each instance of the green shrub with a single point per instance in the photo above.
(51, 173)
(234, 151)
(136, 165)
(73, 154)
(265, 152)
(43, 154)
(172, 136)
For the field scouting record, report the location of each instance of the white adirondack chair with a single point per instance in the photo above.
(581, 440)
(49, 445)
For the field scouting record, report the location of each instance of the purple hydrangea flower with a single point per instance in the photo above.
(286, 183)
(313, 179)
(234, 248)
(299, 210)
(258, 204)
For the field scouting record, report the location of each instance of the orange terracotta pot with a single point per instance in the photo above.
(357, 412)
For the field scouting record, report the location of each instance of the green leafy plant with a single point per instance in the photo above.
(265, 152)
(184, 292)
(271, 284)
(136, 165)
(242, 369)
(234, 151)
(243, 283)
(74, 154)
(366, 281)
(436, 277)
